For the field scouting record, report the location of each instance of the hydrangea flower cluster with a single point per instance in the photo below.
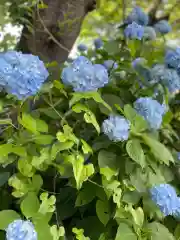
(134, 31)
(165, 197)
(82, 47)
(21, 230)
(98, 43)
(116, 128)
(172, 59)
(167, 76)
(139, 16)
(83, 76)
(151, 110)
(21, 74)
(149, 33)
(163, 27)
(109, 64)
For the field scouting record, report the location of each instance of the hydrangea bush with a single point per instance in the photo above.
(95, 153)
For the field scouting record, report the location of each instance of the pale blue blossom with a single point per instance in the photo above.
(82, 47)
(98, 43)
(83, 76)
(110, 64)
(21, 74)
(163, 27)
(116, 128)
(165, 197)
(134, 31)
(139, 16)
(167, 77)
(172, 59)
(21, 230)
(151, 110)
(149, 33)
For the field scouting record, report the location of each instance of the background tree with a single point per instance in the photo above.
(51, 27)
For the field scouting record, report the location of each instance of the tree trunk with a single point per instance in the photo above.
(55, 29)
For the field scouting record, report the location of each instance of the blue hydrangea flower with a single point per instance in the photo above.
(134, 31)
(172, 59)
(82, 47)
(98, 43)
(83, 76)
(21, 230)
(167, 77)
(149, 33)
(21, 74)
(163, 27)
(80, 61)
(101, 75)
(110, 64)
(178, 155)
(165, 197)
(139, 16)
(116, 128)
(151, 110)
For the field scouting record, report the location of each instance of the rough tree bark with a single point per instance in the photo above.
(55, 29)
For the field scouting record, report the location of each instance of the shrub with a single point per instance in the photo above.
(94, 153)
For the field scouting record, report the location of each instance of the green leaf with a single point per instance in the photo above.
(48, 203)
(25, 167)
(114, 102)
(158, 231)
(57, 233)
(5, 149)
(167, 117)
(67, 135)
(112, 47)
(6, 217)
(140, 124)
(4, 176)
(102, 210)
(43, 139)
(58, 147)
(32, 124)
(88, 95)
(90, 118)
(79, 234)
(131, 197)
(158, 150)
(125, 232)
(43, 229)
(30, 205)
(134, 45)
(138, 216)
(37, 182)
(108, 164)
(135, 152)
(130, 113)
(85, 147)
(81, 171)
(86, 194)
(177, 232)
(20, 151)
(107, 159)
